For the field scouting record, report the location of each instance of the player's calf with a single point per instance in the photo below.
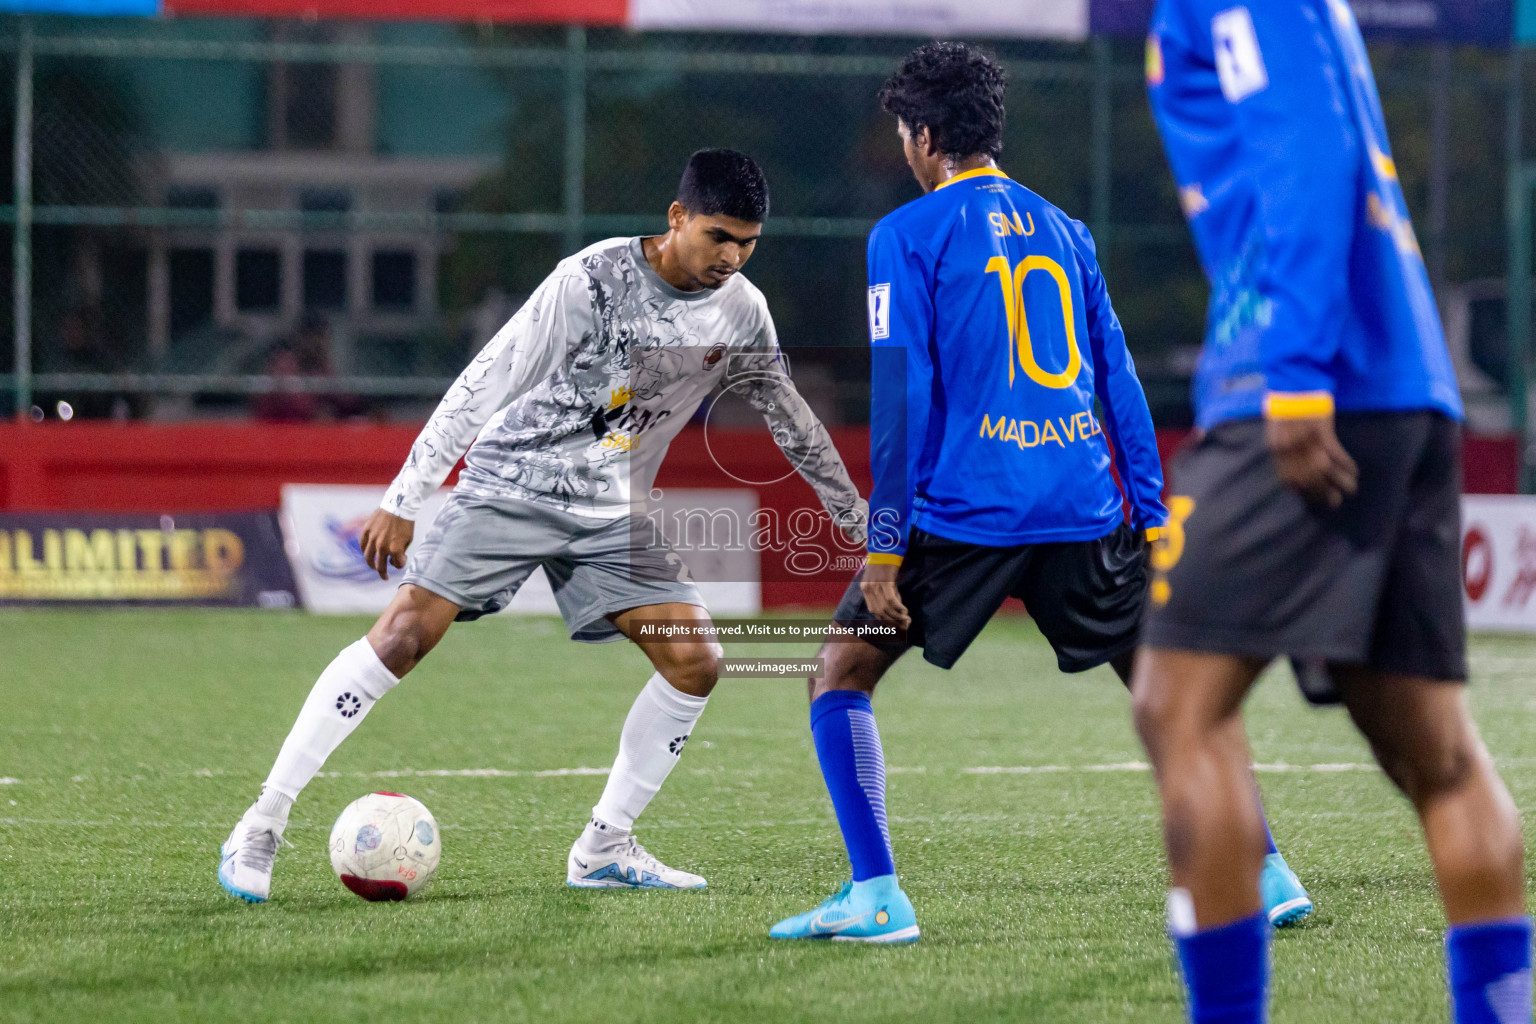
(415, 621)
(1427, 743)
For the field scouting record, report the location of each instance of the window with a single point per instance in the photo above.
(394, 280)
(191, 288)
(192, 197)
(325, 279)
(325, 200)
(258, 280)
(302, 97)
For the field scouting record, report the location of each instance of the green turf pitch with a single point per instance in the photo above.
(132, 741)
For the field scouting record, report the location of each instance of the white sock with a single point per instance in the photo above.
(348, 687)
(654, 733)
(274, 804)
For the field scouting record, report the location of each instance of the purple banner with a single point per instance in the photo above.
(222, 558)
(1488, 22)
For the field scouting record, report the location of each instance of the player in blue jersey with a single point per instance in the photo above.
(1317, 513)
(993, 338)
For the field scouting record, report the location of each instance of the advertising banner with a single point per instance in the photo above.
(588, 12)
(1498, 561)
(322, 523)
(1050, 19)
(227, 558)
(95, 8)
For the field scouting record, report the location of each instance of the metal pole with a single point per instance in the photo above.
(1518, 229)
(575, 134)
(21, 236)
(1100, 115)
(1439, 159)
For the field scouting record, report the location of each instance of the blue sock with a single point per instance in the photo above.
(848, 747)
(1226, 972)
(1490, 969)
(1269, 837)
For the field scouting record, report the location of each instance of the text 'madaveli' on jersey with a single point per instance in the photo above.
(1319, 297)
(993, 335)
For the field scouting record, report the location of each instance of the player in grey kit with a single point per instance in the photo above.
(574, 403)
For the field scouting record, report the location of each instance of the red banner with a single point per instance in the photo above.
(591, 12)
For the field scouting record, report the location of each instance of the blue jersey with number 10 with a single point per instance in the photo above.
(993, 335)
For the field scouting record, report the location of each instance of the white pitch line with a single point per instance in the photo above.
(475, 773)
(1142, 766)
(1278, 767)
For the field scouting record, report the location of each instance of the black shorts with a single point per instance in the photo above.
(1086, 596)
(1249, 567)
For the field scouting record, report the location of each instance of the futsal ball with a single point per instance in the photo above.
(385, 846)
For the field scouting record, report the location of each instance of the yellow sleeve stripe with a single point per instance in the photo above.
(883, 559)
(1297, 405)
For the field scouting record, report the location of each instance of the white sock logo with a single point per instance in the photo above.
(1510, 997)
(349, 705)
(676, 746)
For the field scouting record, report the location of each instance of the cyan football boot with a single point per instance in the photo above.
(1285, 901)
(872, 911)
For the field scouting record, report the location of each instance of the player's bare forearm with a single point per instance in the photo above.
(1309, 458)
(878, 585)
(384, 540)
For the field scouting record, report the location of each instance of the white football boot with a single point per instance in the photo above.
(600, 861)
(246, 858)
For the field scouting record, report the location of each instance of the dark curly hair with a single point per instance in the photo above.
(956, 92)
(726, 182)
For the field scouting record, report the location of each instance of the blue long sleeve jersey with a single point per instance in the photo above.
(992, 335)
(1319, 298)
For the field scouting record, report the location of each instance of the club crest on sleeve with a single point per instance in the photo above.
(1239, 63)
(879, 311)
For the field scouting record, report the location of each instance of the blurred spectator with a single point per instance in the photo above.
(307, 354)
(88, 343)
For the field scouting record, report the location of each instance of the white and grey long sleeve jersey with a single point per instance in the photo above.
(575, 401)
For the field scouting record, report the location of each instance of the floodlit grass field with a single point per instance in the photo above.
(132, 741)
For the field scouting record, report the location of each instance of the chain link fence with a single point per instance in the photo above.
(311, 220)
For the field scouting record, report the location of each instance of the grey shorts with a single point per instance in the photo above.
(479, 551)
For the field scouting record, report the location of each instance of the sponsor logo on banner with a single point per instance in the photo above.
(1498, 561)
(1060, 19)
(224, 559)
(323, 524)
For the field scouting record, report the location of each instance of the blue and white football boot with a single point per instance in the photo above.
(871, 911)
(246, 858)
(1285, 900)
(599, 861)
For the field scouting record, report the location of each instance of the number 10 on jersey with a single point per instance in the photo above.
(1011, 280)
